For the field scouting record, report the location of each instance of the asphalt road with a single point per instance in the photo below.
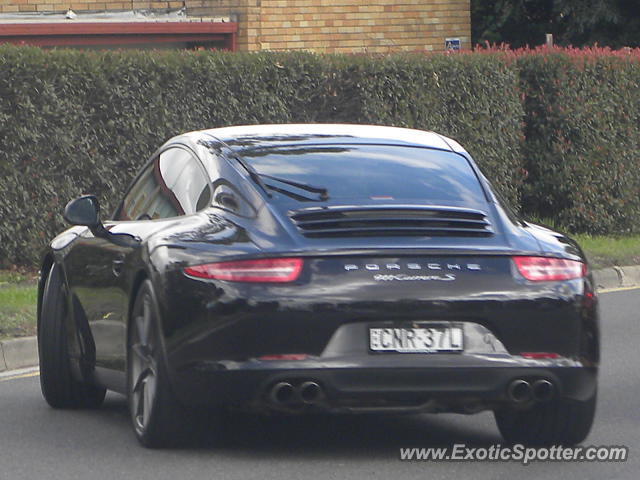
(37, 442)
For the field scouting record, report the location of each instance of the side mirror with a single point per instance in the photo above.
(84, 211)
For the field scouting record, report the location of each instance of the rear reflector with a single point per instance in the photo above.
(543, 269)
(285, 356)
(539, 355)
(270, 270)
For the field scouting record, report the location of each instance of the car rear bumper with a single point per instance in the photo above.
(394, 383)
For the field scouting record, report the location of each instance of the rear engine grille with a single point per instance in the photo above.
(391, 221)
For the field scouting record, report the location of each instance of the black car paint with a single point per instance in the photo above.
(214, 331)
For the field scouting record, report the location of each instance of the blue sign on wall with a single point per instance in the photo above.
(452, 44)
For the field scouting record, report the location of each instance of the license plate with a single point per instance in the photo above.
(416, 340)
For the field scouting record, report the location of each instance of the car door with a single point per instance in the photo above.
(160, 193)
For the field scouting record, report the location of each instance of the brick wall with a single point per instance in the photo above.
(246, 12)
(344, 25)
(363, 25)
(321, 25)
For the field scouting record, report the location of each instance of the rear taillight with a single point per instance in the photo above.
(269, 270)
(285, 356)
(539, 355)
(543, 269)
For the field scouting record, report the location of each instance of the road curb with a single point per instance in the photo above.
(23, 352)
(18, 353)
(617, 277)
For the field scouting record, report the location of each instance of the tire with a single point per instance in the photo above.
(158, 419)
(59, 388)
(558, 422)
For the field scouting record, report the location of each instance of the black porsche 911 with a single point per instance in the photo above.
(318, 268)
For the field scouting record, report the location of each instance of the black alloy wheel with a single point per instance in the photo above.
(158, 419)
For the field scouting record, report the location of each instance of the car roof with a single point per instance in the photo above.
(259, 136)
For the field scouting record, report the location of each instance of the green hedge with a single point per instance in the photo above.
(582, 129)
(74, 122)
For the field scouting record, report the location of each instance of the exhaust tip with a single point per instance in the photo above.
(519, 391)
(543, 390)
(282, 392)
(310, 392)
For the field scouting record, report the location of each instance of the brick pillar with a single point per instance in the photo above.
(245, 12)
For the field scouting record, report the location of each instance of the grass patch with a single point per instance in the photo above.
(18, 298)
(606, 251)
(17, 311)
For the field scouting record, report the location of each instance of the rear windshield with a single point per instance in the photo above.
(372, 171)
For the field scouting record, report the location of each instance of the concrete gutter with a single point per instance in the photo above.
(23, 352)
(18, 353)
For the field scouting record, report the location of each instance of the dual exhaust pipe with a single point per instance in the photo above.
(522, 391)
(286, 394)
